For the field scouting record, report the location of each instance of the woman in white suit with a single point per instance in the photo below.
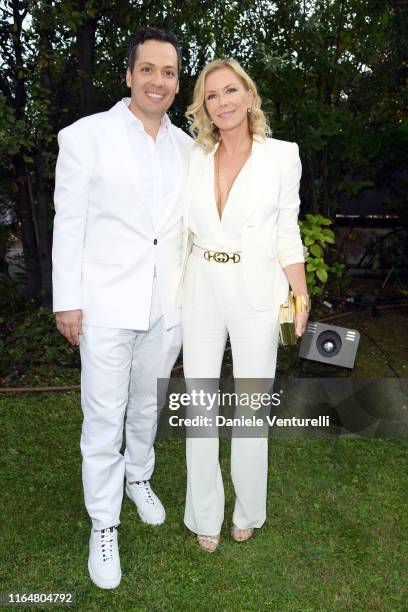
(242, 247)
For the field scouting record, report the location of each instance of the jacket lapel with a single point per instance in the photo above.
(262, 177)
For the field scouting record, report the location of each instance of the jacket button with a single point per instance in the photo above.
(155, 241)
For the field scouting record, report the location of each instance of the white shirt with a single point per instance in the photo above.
(159, 165)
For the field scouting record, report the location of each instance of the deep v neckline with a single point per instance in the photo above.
(214, 186)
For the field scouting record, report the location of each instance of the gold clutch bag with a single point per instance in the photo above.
(287, 334)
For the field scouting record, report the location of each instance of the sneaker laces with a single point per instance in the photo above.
(106, 541)
(146, 486)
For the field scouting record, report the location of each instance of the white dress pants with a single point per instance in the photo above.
(215, 305)
(120, 368)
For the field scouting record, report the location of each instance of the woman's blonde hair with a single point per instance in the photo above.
(202, 128)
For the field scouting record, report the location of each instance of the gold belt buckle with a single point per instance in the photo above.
(221, 256)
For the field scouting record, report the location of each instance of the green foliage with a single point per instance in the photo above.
(317, 237)
(12, 299)
(353, 188)
(386, 252)
(332, 77)
(31, 349)
(13, 132)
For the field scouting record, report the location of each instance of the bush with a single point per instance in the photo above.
(31, 349)
(317, 237)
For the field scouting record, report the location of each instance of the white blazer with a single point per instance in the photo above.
(105, 247)
(270, 234)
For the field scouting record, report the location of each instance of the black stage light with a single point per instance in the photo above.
(329, 344)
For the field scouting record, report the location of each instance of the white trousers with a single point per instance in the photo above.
(120, 368)
(215, 305)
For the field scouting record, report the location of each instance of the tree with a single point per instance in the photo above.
(332, 75)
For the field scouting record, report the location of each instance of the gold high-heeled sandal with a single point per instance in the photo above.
(238, 538)
(208, 543)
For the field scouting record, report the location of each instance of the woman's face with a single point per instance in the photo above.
(226, 99)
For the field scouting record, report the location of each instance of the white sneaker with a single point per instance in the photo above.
(103, 562)
(148, 505)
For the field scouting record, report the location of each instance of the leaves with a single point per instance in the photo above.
(331, 75)
(322, 274)
(316, 250)
(29, 337)
(316, 236)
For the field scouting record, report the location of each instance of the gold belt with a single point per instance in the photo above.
(219, 256)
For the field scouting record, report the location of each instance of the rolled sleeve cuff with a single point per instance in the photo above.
(291, 257)
(65, 307)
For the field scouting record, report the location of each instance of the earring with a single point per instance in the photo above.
(249, 111)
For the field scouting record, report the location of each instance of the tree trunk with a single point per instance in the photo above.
(85, 43)
(43, 195)
(24, 209)
(24, 214)
(44, 243)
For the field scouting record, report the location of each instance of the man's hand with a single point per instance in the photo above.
(69, 324)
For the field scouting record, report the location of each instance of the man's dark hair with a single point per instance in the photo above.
(139, 37)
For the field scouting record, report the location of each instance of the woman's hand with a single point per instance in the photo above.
(300, 322)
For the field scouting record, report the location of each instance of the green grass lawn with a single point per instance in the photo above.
(335, 536)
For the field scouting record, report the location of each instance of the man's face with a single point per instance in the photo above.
(154, 79)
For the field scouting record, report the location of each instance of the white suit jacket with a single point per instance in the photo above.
(105, 247)
(270, 233)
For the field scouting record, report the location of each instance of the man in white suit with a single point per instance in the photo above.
(116, 264)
